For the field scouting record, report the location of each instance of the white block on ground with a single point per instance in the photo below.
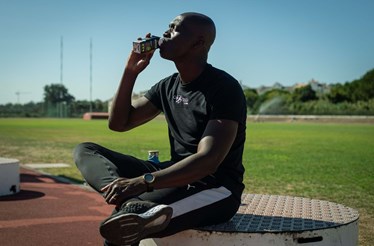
(9, 176)
(47, 165)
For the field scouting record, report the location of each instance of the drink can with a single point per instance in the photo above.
(153, 156)
(146, 44)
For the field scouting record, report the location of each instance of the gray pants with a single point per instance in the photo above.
(202, 203)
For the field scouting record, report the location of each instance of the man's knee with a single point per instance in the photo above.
(81, 150)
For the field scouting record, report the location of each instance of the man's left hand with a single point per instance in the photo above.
(122, 189)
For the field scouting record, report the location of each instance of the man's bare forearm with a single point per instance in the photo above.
(121, 106)
(186, 171)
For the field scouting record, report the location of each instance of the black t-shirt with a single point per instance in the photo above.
(213, 95)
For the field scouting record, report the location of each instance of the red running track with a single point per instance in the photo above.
(48, 212)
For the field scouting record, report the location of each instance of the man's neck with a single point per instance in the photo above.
(188, 72)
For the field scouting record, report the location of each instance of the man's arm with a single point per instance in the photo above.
(213, 147)
(124, 114)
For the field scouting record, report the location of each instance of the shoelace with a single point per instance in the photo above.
(137, 207)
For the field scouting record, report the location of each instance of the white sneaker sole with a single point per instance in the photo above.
(129, 228)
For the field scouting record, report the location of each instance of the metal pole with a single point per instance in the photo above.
(61, 58)
(61, 73)
(91, 75)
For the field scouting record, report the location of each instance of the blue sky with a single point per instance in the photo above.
(258, 42)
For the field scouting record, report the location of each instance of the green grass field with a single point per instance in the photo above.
(332, 162)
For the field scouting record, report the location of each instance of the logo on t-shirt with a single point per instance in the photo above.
(180, 99)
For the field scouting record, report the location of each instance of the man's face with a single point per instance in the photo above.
(177, 40)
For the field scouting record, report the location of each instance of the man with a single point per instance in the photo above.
(206, 114)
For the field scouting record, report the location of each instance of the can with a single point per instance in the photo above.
(146, 44)
(153, 156)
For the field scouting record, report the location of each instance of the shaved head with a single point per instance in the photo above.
(200, 25)
(189, 37)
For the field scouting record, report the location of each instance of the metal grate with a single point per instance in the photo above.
(272, 213)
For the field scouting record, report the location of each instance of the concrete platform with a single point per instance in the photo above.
(272, 220)
(9, 176)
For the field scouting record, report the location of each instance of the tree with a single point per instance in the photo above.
(57, 93)
(339, 93)
(57, 100)
(358, 90)
(304, 94)
(363, 88)
(251, 97)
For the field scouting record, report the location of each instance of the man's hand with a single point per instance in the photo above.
(122, 189)
(136, 63)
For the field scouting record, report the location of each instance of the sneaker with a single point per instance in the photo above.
(135, 221)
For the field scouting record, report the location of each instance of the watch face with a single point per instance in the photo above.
(149, 178)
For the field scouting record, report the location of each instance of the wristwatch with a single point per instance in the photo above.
(149, 179)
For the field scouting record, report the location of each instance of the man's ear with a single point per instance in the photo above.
(199, 42)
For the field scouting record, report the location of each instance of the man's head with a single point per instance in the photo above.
(190, 35)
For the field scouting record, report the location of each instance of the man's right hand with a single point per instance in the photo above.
(136, 63)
